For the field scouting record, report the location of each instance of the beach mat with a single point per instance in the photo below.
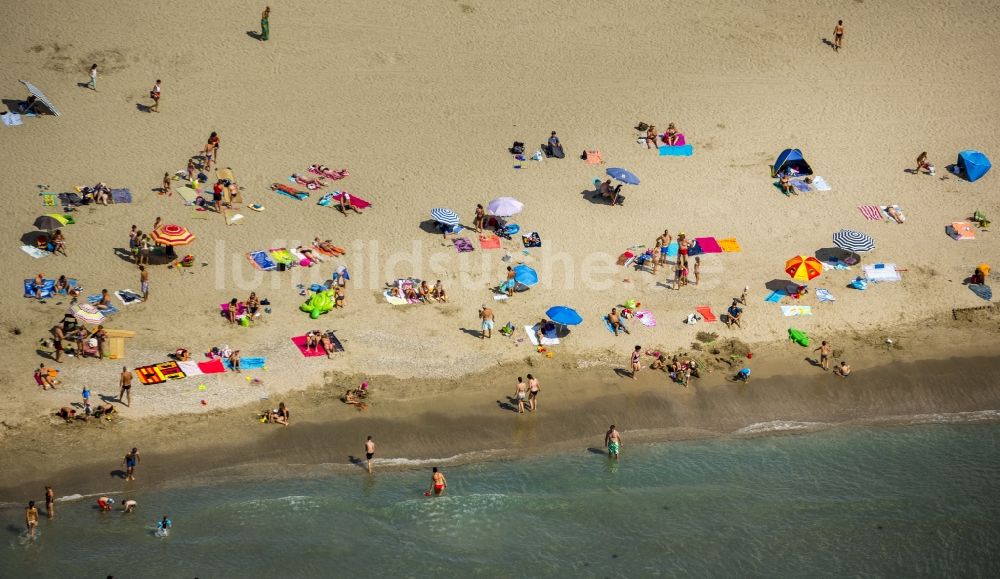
(775, 296)
(879, 272)
(789, 311)
(820, 184)
(676, 151)
(394, 300)
(673, 249)
(646, 318)
(159, 373)
(530, 330)
(463, 245)
(489, 242)
(261, 260)
(128, 297)
(355, 200)
(232, 217)
(252, 363)
(300, 343)
(49, 199)
(730, 245)
(706, 313)
(190, 368)
(607, 324)
(48, 287)
(824, 295)
(35, 252)
(121, 196)
(708, 245)
(214, 366)
(982, 290)
(281, 255)
(188, 194)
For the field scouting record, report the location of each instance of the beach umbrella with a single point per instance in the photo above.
(172, 235)
(564, 315)
(849, 240)
(525, 275)
(52, 221)
(86, 313)
(40, 96)
(623, 175)
(505, 206)
(803, 268)
(445, 216)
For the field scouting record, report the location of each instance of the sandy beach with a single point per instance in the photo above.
(420, 101)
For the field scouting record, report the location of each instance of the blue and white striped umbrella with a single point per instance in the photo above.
(445, 216)
(40, 96)
(849, 240)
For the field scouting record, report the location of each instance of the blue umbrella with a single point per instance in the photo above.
(526, 276)
(445, 216)
(623, 175)
(564, 315)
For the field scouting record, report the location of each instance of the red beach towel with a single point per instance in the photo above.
(300, 343)
(706, 313)
(212, 366)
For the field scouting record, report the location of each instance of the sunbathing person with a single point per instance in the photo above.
(786, 185)
(233, 312)
(922, 163)
(604, 189)
(105, 301)
(326, 246)
(312, 341)
(616, 321)
(895, 214)
(660, 363)
(328, 172)
(327, 344)
(425, 291)
(651, 137)
(310, 183)
(410, 294)
(339, 297)
(438, 292)
(308, 253)
(671, 136)
(345, 203)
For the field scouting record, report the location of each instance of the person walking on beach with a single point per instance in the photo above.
(533, 390)
(520, 393)
(838, 36)
(155, 95)
(824, 355)
(486, 315)
(144, 282)
(635, 361)
(50, 500)
(92, 85)
(125, 384)
(265, 26)
(131, 459)
(31, 518)
(613, 440)
(438, 482)
(369, 453)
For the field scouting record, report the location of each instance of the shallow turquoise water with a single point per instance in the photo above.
(894, 502)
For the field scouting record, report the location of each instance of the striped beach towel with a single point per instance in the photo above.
(871, 212)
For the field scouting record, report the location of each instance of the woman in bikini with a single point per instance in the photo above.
(59, 242)
(479, 219)
(671, 135)
(425, 291)
(651, 137)
(233, 312)
(252, 305)
(438, 482)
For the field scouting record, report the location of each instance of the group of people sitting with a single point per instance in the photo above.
(356, 397)
(317, 340)
(608, 191)
(670, 138)
(680, 370)
(55, 244)
(248, 310)
(422, 292)
(69, 414)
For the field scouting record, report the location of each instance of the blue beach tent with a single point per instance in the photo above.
(974, 163)
(791, 158)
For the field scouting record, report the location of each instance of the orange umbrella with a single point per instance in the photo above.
(803, 268)
(172, 235)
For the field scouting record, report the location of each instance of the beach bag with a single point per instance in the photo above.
(859, 284)
(517, 148)
(642, 127)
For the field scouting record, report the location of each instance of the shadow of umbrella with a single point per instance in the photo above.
(835, 255)
(776, 285)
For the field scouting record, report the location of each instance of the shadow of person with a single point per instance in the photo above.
(356, 461)
(142, 108)
(829, 43)
(254, 34)
(118, 473)
(473, 333)
(623, 372)
(595, 450)
(509, 405)
(813, 361)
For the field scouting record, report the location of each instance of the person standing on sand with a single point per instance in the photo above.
(438, 482)
(697, 270)
(635, 361)
(533, 390)
(265, 26)
(613, 440)
(369, 453)
(824, 355)
(838, 36)
(92, 85)
(50, 499)
(125, 384)
(31, 518)
(486, 315)
(131, 459)
(144, 282)
(155, 95)
(520, 393)
(166, 189)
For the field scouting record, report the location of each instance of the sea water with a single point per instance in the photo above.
(891, 502)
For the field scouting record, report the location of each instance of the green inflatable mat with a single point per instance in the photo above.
(799, 337)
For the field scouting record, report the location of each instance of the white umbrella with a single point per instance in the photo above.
(505, 206)
(40, 96)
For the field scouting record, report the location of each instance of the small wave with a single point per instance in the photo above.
(778, 426)
(432, 461)
(955, 417)
(77, 497)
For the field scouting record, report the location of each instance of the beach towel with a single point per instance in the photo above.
(35, 252)
(300, 343)
(48, 287)
(646, 318)
(12, 119)
(190, 368)
(531, 240)
(282, 189)
(334, 251)
(253, 363)
(241, 309)
(355, 200)
(281, 255)
(593, 157)
(489, 242)
(188, 194)
(121, 196)
(729, 245)
(261, 260)
(232, 217)
(801, 186)
(463, 245)
(708, 245)
(607, 324)
(112, 310)
(982, 290)
(213, 366)
(824, 295)
(128, 297)
(961, 230)
(335, 342)
(395, 300)
(885, 212)
(871, 212)
(775, 296)
(820, 184)
(882, 272)
(706, 313)
(673, 249)
(789, 311)
(530, 330)
(159, 373)
(49, 199)
(676, 151)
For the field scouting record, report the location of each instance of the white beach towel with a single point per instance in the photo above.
(122, 294)
(190, 368)
(530, 330)
(12, 119)
(824, 295)
(887, 272)
(820, 184)
(646, 318)
(885, 212)
(34, 251)
(789, 311)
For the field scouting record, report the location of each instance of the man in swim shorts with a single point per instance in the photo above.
(438, 482)
(533, 390)
(613, 440)
(838, 36)
(520, 393)
(105, 503)
(824, 355)
(31, 518)
(369, 452)
(131, 459)
(486, 315)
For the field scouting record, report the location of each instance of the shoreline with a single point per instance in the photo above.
(464, 421)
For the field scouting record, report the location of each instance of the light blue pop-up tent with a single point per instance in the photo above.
(974, 164)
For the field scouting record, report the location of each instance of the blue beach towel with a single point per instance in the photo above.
(121, 195)
(775, 297)
(673, 249)
(255, 363)
(677, 151)
(607, 324)
(263, 260)
(112, 310)
(48, 286)
(982, 290)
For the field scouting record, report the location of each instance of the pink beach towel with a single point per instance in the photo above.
(240, 309)
(708, 245)
(871, 212)
(300, 343)
(355, 200)
(680, 140)
(646, 318)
